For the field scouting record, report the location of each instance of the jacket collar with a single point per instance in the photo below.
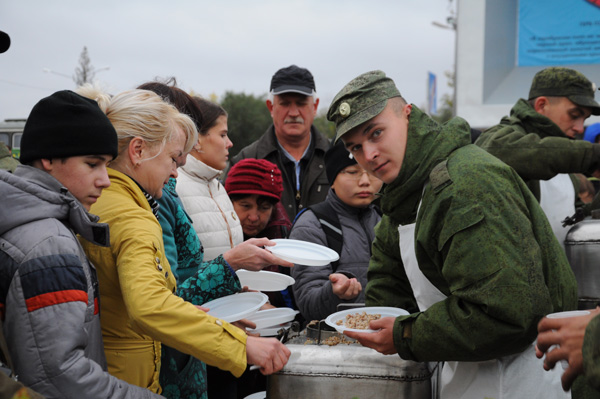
(533, 121)
(428, 144)
(45, 197)
(199, 169)
(342, 207)
(268, 143)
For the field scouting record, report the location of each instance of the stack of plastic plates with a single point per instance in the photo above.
(264, 281)
(237, 306)
(270, 321)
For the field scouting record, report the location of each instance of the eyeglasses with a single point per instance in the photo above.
(356, 174)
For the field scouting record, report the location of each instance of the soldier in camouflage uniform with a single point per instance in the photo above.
(537, 140)
(7, 162)
(463, 245)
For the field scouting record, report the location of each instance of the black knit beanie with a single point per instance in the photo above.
(336, 159)
(64, 125)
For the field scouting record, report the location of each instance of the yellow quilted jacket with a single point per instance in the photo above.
(139, 309)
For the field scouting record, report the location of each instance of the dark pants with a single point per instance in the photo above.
(223, 385)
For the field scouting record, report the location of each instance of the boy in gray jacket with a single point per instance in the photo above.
(319, 290)
(48, 289)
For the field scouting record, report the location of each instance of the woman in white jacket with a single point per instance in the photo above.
(202, 194)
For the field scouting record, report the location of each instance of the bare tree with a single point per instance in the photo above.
(85, 72)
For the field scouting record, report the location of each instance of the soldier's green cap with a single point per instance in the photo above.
(360, 100)
(565, 82)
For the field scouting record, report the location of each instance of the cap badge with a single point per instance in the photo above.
(344, 109)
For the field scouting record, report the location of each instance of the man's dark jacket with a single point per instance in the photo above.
(314, 185)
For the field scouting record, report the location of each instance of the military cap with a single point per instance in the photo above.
(360, 100)
(565, 82)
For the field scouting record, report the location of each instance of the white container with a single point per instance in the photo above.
(564, 315)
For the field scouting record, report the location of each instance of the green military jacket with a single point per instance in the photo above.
(7, 162)
(481, 239)
(591, 353)
(536, 147)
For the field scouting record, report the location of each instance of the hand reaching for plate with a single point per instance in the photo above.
(202, 308)
(268, 354)
(244, 324)
(251, 255)
(344, 287)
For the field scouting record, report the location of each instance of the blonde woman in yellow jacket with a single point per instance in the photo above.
(139, 307)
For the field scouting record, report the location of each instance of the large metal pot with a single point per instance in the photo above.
(582, 246)
(347, 371)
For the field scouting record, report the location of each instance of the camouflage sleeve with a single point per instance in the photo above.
(387, 282)
(537, 158)
(488, 261)
(591, 353)
(213, 280)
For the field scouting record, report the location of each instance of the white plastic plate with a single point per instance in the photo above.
(270, 331)
(303, 252)
(272, 317)
(264, 281)
(257, 395)
(384, 311)
(237, 306)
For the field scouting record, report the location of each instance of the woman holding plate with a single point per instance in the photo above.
(139, 307)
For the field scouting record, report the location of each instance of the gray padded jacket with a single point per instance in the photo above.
(49, 290)
(312, 289)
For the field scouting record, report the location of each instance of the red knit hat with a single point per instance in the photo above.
(255, 176)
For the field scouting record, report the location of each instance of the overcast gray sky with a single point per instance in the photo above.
(220, 45)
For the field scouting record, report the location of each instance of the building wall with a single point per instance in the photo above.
(488, 82)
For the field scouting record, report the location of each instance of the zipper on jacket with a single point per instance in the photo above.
(223, 215)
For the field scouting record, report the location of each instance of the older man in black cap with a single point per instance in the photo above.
(292, 142)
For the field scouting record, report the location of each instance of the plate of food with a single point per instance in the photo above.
(264, 281)
(358, 319)
(237, 306)
(303, 252)
(272, 317)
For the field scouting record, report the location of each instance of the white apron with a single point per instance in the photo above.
(515, 376)
(557, 199)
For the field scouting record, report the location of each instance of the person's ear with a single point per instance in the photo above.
(270, 106)
(540, 104)
(316, 104)
(136, 149)
(46, 164)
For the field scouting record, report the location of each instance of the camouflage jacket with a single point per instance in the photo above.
(481, 238)
(7, 162)
(536, 147)
(591, 353)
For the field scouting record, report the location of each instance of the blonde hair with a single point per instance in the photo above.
(142, 113)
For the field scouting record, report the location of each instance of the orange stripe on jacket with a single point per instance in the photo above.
(54, 298)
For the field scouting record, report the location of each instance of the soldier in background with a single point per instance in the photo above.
(7, 162)
(537, 140)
